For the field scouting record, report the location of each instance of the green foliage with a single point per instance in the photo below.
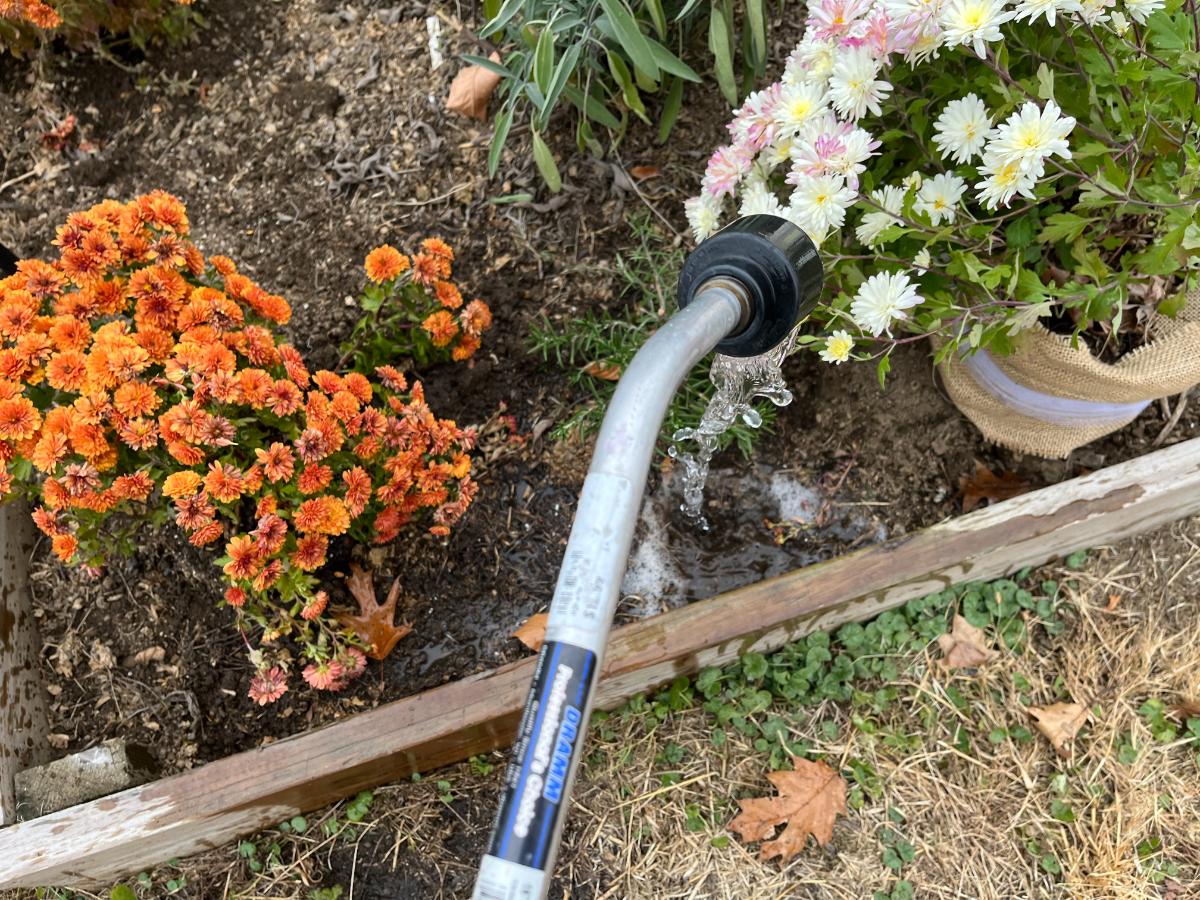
(607, 59)
(104, 25)
(609, 340)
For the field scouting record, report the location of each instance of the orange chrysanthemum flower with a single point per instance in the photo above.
(314, 478)
(441, 327)
(385, 263)
(448, 295)
(277, 462)
(465, 348)
(182, 484)
(206, 534)
(67, 371)
(223, 482)
(243, 556)
(476, 318)
(429, 269)
(322, 515)
(19, 419)
(314, 607)
(310, 552)
(65, 546)
(136, 399)
(439, 248)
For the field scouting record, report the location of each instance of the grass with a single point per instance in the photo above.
(607, 341)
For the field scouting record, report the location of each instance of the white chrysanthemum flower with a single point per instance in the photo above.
(703, 214)
(1095, 11)
(1141, 10)
(798, 104)
(1004, 179)
(1031, 9)
(1120, 24)
(853, 88)
(921, 260)
(837, 347)
(891, 199)
(811, 61)
(939, 196)
(757, 199)
(819, 203)
(962, 128)
(1030, 134)
(881, 300)
(973, 22)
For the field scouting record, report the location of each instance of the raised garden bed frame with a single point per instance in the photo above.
(94, 844)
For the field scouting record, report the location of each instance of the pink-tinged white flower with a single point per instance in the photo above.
(1141, 10)
(853, 88)
(837, 347)
(703, 215)
(973, 23)
(1031, 9)
(798, 104)
(819, 205)
(962, 129)
(758, 199)
(841, 152)
(915, 22)
(753, 125)
(725, 169)
(1030, 135)
(1003, 180)
(880, 35)
(884, 212)
(834, 18)
(883, 299)
(938, 198)
(1095, 11)
(811, 60)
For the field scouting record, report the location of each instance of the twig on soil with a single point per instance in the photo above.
(438, 199)
(5, 185)
(650, 206)
(1180, 406)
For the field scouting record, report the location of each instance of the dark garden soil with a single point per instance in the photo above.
(301, 135)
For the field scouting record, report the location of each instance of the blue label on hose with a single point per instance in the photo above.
(536, 783)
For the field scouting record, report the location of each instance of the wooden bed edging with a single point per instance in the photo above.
(95, 843)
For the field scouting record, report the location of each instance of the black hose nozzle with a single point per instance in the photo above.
(775, 261)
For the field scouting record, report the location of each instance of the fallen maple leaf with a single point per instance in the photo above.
(471, 89)
(375, 623)
(533, 632)
(809, 800)
(1060, 722)
(603, 370)
(986, 485)
(965, 646)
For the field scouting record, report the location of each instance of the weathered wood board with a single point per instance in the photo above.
(94, 843)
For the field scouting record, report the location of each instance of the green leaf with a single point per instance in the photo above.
(687, 8)
(592, 108)
(499, 136)
(543, 60)
(1045, 79)
(629, 36)
(558, 82)
(122, 892)
(507, 11)
(671, 63)
(670, 111)
(758, 31)
(658, 17)
(881, 370)
(484, 63)
(546, 164)
(620, 72)
(1062, 227)
(720, 42)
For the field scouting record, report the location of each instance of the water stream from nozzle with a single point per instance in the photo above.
(739, 382)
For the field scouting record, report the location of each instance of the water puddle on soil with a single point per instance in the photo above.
(674, 563)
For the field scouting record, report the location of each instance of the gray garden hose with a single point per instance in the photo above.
(741, 291)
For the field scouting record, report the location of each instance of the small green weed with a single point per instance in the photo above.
(607, 341)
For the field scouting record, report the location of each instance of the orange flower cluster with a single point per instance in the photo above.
(416, 309)
(35, 12)
(82, 22)
(136, 374)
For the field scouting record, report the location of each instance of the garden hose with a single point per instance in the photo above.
(742, 291)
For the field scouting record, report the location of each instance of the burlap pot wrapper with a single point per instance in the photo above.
(1048, 398)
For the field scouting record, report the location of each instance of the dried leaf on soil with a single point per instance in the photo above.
(809, 800)
(987, 485)
(1114, 600)
(965, 646)
(603, 370)
(58, 741)
(533, 633)
(1186, 709)
(641, 173)
(149, 655)
(1060, 722)
(471, 89)
(375, 623)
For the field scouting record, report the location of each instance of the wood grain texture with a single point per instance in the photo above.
(22, 694)
(95, 843)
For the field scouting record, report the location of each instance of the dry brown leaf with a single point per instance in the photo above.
(986, 485)
(1114, 600)
(641, 173)
(965, 646)
(375, 623)
(58, 741)
(149, 655)
(471, 89)
(603, 370)
(1186, 709)
(1060, 722)
(533, 633)
(809, 800)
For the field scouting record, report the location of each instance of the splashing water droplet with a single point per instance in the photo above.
(739, 382)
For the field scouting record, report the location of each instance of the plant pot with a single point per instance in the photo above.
(1049, 397)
